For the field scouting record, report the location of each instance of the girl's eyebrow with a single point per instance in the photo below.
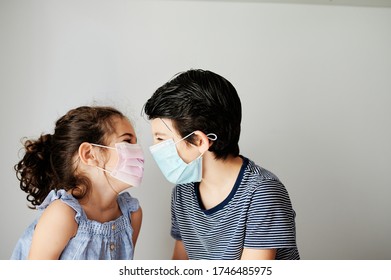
(130, 135)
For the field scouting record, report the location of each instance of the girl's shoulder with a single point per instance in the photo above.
(59, 211)
(62, 202)
(54, 228)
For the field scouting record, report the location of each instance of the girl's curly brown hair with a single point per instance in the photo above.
(48, 162)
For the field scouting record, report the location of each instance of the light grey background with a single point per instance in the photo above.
(314, 80)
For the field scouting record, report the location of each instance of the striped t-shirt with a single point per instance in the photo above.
(256, 214)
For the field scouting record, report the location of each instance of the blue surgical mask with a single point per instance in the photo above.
(172, 165)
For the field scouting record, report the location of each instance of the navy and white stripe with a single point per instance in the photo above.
(256, 214)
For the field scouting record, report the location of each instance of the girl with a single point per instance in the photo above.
(77, 176)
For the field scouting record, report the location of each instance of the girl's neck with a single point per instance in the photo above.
(101, 206)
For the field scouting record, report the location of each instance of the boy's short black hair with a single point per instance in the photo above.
(200, 100)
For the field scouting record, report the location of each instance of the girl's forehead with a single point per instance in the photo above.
(123, 123)
(122, 127)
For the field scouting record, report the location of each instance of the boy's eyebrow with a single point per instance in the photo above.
(160, 134)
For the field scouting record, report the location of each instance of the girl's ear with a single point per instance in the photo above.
(87, 154)
(202, 141)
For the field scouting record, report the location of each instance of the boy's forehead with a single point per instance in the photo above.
(162, 126)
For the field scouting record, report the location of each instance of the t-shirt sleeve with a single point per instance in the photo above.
(271, 219)
(175, 233)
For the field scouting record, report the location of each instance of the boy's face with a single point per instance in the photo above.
(163, 129)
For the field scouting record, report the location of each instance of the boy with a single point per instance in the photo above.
(223, 206)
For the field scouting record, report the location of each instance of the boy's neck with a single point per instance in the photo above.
(220, 172)
(218, 180)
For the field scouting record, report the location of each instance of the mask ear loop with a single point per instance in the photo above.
(184, 138)
(174, 133)
(212, 137)
(103, 146)
(103, 169)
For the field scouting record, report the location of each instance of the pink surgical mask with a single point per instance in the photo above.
(130, 165)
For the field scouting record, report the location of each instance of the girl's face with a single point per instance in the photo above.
(163, 129)
(124, 132)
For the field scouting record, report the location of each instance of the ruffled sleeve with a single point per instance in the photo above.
(64, 197)
(127, 203)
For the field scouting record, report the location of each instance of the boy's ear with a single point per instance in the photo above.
(87, 154)
(202, 141)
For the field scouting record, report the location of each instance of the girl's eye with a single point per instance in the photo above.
(128, 141)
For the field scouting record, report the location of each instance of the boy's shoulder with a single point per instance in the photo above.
(255, 170)
(257, 179)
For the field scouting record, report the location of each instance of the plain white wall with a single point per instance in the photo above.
(314, 80)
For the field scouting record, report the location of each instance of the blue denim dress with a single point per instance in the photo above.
(107, 241)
